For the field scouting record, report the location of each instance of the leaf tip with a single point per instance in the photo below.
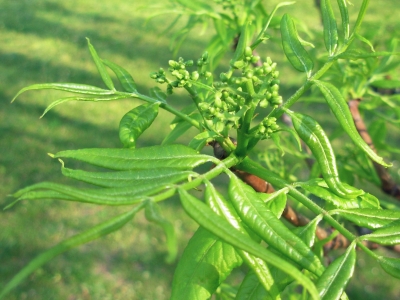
(51, 155)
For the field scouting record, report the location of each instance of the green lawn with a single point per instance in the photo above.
(44, 41)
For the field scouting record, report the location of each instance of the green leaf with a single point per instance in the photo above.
(79, 239)
(276, 201)
(330, 26)
(294, 51)
(388, 235)
(217, 225)
(67, 87)
(178, 129)
(126, 80)
(200, 140)
(344, 13)
(77, 98)
(386, 84)
(105, 196)
(252, 289)
(314, 136)
(261, 220)
(153, 214)
(223, 208)
(204, 265)
(355, 54)
(366, 41)
(242, 44)
(333, 281)
(342, 113)
(169, 156)
(369, 218)
(130, 177)
(157, 93)
(307, 232)
(100, 67)
(135, 122)
(390, 265)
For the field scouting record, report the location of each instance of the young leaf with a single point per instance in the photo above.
(200, 140)
(369, 218)
(206, 218)
(344, 13)
(330, 27)
(79, 239)
(276, 201)
(130, 177)
(241, 46)
(157, 93)
(332, 282)
(126, 80)
(261, 220)
(294, 51)
(222, 207)
(169, 156)
(390, 265)
(100, 67)
(67, 87)
(153, 214)
(307, 232)
(204, 265)
(135, 122)
(315, 138)
(388, 235)
(179, 129)
(342, 113)
(77, 98)
(355, 54)
(251, 288)
(105, 196)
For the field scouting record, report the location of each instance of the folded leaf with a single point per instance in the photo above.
(135, 122)
(203, 215)
(333, 281)
(330, 26)
(342, 113)
(123, 76)
(344, 13)
(168, 156)
(294, 50)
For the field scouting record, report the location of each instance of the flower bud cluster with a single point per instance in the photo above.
(181, 75)
(266, 128)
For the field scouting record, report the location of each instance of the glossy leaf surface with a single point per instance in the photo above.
(169, 156)
(333, 281)
(344, 13)
(203, 215)
(135, 122)
(342, 113)
(370, 218)
(388, 235)
(255, 214)
(330, 26)
(390, 265)
(126, 80)
(294, 50)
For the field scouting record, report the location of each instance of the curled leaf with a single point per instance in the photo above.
(123, 76)
(330, 27)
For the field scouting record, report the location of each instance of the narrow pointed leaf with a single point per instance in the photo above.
(344, 13)
(169, 156)
(200, 140)
(276, 201)
(369, 218)
(204, 265)
(157, 93)
(203, 215)
(79, 239)
(307, 232)
(294, 51)
(388, 235)
(77, 98)
(100, 67)
(153, 214)
(390, 265)
(135, 122)
(67, 87)
(252, 289)
(261, 220)
(333, 281)
(342, 113)
(126, 80)
(314, 136)
(330, 27)
(223, 208)
(179, 129)
(106, 196)
(242, 43)
(129, 178)
(355, 54)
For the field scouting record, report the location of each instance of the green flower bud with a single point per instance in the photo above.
(189, 63)
(174, 64)
(218, 102)
(267, 69)
(160, 80)
(269, 60)
(249, 74)
(204, 106)
(199, 62)
(219, 126)
(264, 103)
(239, 64)
(154, 75)
(248, 52)
(255, 59)
(204, 57)
(274, 88)
(223, 77)
(207, 74)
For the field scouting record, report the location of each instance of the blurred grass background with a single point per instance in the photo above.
(44, 41)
